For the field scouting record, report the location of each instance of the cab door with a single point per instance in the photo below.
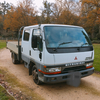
(35, 55)
(25, 45)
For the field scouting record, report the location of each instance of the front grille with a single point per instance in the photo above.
(71, 69)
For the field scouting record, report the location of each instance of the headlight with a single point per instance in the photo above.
(89, 64)
(57, 69)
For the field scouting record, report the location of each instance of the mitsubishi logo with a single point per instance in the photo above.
(75, 58)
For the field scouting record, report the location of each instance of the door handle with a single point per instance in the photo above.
(40, 55)
(22, 49)
(30, 52)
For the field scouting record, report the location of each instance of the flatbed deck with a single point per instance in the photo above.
(13, 46)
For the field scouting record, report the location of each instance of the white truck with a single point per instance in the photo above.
(54, 53)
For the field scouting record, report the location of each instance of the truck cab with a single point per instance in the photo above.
(55, 51)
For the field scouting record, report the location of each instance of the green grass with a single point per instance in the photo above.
(96, 57)
(2, 44)
(4, 95)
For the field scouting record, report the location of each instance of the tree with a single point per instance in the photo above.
(68, 13)
(1, 24)
(4, 8)
(41, 18)
(57, 9)
(22, 15)
(46, 12)
(61, 12)
(90, 15)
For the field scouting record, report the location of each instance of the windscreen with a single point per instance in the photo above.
(63, 37)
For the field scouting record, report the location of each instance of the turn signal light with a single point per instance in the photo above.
(89, 67)
(44, 66)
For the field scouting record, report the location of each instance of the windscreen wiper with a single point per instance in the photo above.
(84, 44)
(62, 44)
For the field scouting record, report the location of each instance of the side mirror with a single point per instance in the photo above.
(37, 32)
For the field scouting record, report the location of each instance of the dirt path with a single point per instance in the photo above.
(89, 88)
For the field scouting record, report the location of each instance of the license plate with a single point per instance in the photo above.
(74, 79)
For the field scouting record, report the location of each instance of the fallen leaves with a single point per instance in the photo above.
(18, 95)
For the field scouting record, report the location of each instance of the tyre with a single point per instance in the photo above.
(35, 75)
(14, 58)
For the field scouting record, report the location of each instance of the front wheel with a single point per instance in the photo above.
(35, 75)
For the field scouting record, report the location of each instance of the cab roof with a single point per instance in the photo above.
(42, 25)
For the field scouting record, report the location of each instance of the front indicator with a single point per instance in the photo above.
(89, 67)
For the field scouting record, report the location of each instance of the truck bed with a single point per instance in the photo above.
(13, 46)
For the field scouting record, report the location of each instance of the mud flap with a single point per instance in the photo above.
(74, 79)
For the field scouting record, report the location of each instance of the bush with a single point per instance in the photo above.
(96, 41)
(98, 36)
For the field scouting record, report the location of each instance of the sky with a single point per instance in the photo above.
(38, 3)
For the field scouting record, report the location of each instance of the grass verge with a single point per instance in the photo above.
(96, 57)
(2, 44)
(4, 95)
(16, 85)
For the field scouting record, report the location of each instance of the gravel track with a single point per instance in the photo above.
(89, 88)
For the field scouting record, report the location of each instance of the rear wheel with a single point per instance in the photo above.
(35, 75)
(14, 61)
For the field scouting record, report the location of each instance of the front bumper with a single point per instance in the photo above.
(64, 77)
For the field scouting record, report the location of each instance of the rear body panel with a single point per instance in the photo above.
(13, 46)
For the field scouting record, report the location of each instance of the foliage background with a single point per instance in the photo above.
(85, 13)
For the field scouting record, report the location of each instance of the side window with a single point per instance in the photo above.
(26, 35)
(36, 40)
